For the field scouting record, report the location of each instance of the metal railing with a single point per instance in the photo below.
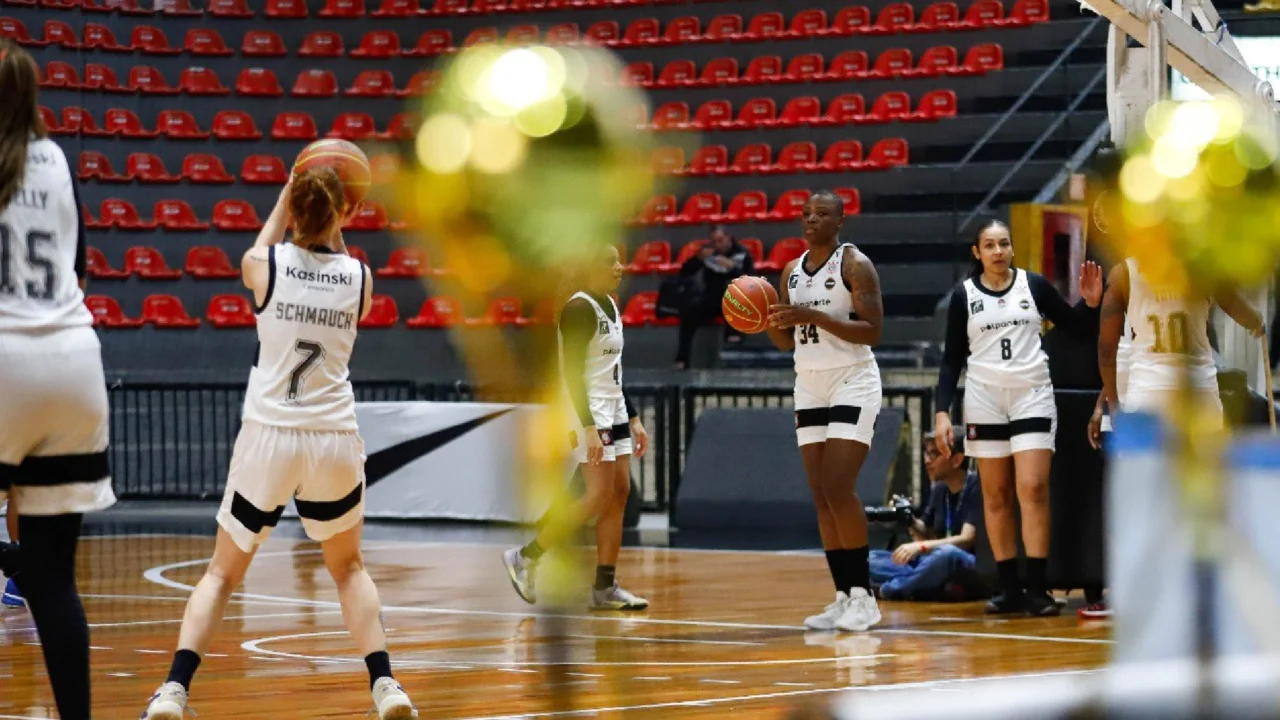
(174, 441)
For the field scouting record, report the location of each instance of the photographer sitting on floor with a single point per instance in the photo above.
(939, 563)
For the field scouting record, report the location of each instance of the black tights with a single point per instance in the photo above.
(47, 579)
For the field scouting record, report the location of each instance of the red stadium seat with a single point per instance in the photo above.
(148, 264)
(852, 200)
(382, 312)
(699, 208)
(1024, 12)
(437, 312)
(97, 37)
(746, 206)
(353, 126)
(107, 313)
(263, 170)
(236, 215)
(102, 77)
(789, 206)
(78, 121)
(679, 31)
(149, 81)
(854, 20)
(756, 248)
(937, 17)
(687, 252)
(935, 105)
(563, 34)
(671, 116)
(525, 6)
(934, 62)
(763, 69)
(262, 43)
(637, 74)
(604, 33)
(150, 40)
(177, 215)
(756, 113)
(523, 35)
(677, 73)
(800, 110)
(209, 261)
(982, 14)
(887, 153)
(422, 82)
(321, 44)
(315, 83)
(641, 310)
(404, 263)
(149, 168)
(230, 311)
(841, 156)
(180, 8)
(397, 9)
(358, 253)
(179, 125)
(981, 59)
(95, 166)
(709, 160)
(372, 84)
(719, 71)
(783, 252)
(89, 222)
(894, 18)
(99, 268)
(891, 63)
(205, 169)
(501, 311)
(57, 32)
(651, 257)
(207, 42)
(234, 124)
(167, 311)
(842, 110)
(450, 7)
(751, 159)
(258, 82)
(796, 157)
(371, 217)
(16, 30)
(713, 115)
(489, 7)
(119, 121)
(50, 4)
(125, 7)
(51, 121)
(286, 9)
(765, 26)
(806, 24)
(342, 9)
(722, 28)
(848, 65)
(803, 68)
(887, 108)
(639, 32)
(430, 44)
(229, 8)
(402, 126)
(294, 126)
(378, 44)
(656, 210)
(60, 75)
(667, 161)
(201, 81)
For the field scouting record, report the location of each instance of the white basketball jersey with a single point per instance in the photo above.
(826, 291)
(306, 332)
(604, 352)
(1004, 336)
(1167, 331)
(39, 240)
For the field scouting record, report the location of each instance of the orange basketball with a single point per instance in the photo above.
(344, 157)
(746, 304)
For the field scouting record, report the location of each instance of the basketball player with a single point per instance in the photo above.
(53, 396)
(993, 327)
(299, 438)
(609, 429)
(830, 313)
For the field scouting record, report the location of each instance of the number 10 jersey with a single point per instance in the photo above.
(1167, 331)
(306, 331)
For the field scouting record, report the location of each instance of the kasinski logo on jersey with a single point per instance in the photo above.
(294, 273)
(830, 283)
(975, 307)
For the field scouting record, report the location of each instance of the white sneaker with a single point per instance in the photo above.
(615, 598)
(169, 702)
(391, 701)
(521, 570)
(861, 612)
(826, 620)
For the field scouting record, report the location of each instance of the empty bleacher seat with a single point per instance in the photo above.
(405, 263)
(149, 168)
(315, 83)
(149, 81)
(397, 9)
(342, 9)
(370, 217)
(118, 121)
(167, 311)
(372, 84)
(209, 261)
(709, 160)
(262, 43)
(750, 159)
(236, 215)
(206, 42)
(285, 9)
(651, 257)
(421, 83)
(294, 126)
(382, 312)
(99, 37)
(101, 77)
(353, 126)
(640, 309)
(99, 268)
(935, 105)
(764, 26)
(107, 313)
(121, 214)
(886, 153)
(841, 156)
(201, 81)
(656, 210)
(150, 40)
(205, 169)
(842, 110)
(430, 44)
(258, 82)
(263, 170)
(748, 205)
(16, 30)
(179, 125)
(501, 311)
(437, 312)
(851, 198)
(177, 215)
(230, 311)
(95, 166)
(323, 43)
(61, 34)
(378, 44)
(60, 75)
(148, 264)
(783, 252)
(229, 8)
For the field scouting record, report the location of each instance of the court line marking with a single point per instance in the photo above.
(772, 695)
(156, 575)
(138, 623)
(667, 640)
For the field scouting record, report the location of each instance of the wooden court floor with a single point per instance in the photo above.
(723, 638)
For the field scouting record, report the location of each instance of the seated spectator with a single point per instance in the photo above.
(708, 274)
(939, 562)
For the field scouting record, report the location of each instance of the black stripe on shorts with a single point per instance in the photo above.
(1025, 426)
(1028, 426)
(821, 417)
(253, 519)
(48, 470)
(7, 475)
(621, 432)
(330, 510)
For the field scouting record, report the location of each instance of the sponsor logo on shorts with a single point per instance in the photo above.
(972, 432)
(606, 437)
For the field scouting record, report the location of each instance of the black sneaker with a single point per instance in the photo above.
(1042, 604)
(1006, 602)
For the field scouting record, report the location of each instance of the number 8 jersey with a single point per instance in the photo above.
(1167, 331)
(1004, 333)
(306, 332)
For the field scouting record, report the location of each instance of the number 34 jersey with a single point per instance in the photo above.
(825, 291)
(1167, 331)
(306, 332)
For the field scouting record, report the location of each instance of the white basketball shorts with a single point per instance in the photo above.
(1002, 421)
(611, 421)
(53, 422)
(323, 471)
(1159, 402)
(838, 404)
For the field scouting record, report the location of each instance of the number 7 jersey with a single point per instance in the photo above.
(306, 331)
(1168, 330)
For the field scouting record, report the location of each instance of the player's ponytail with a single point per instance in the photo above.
(316, 203)
(20, 119)
(975, 263)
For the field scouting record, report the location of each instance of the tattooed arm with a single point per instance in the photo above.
(1115, 302)
(864, 327)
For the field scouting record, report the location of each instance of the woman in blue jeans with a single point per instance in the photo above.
(942, 540)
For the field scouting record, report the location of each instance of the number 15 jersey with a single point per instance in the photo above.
(1167, 331)
(306, 332)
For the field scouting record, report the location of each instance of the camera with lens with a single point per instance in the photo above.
(898, 511)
